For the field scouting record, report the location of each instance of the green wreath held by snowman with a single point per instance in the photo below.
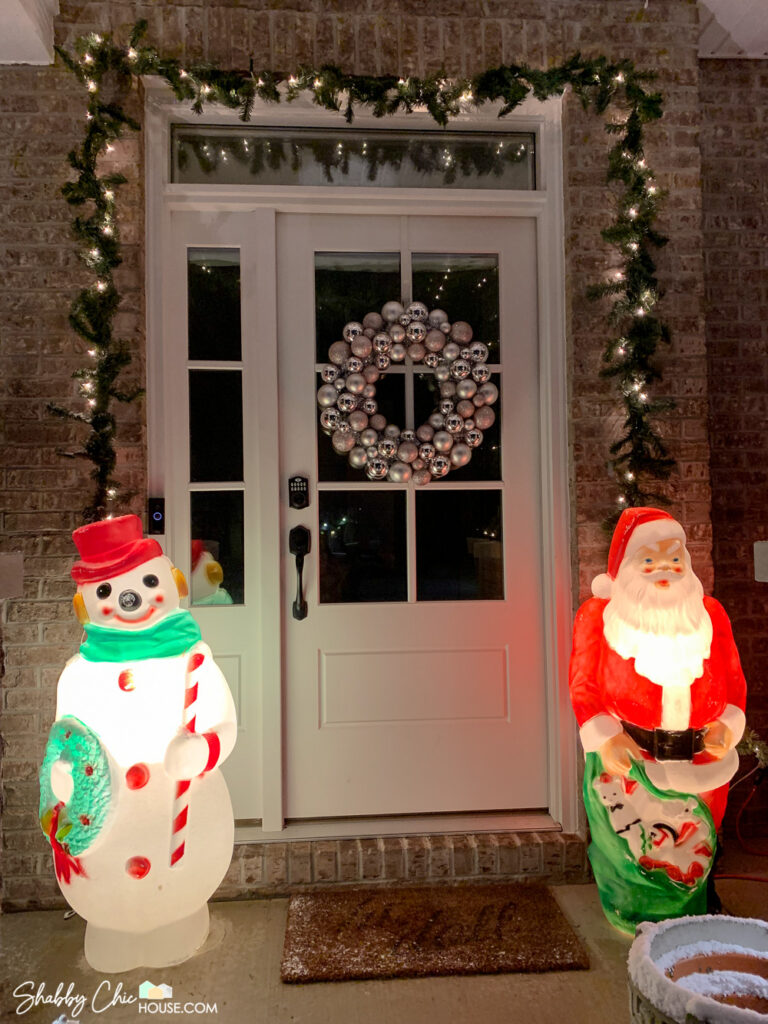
(72, 826)
(347, 396)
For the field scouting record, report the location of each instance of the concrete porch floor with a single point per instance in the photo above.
(239, 970)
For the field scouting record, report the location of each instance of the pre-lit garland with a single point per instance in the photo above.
(638, 453)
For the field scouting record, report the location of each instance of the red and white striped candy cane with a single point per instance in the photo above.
(181, 800)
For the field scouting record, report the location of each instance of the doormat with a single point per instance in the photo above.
(355, 934)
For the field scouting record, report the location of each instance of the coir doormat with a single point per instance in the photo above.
(354, 934)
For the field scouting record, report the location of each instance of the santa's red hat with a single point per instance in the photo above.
(111, 547)
(636, 528)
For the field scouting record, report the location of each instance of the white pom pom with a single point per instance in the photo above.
(602, 585)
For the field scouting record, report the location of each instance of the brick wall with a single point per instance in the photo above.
(40, 114)
(734, 152)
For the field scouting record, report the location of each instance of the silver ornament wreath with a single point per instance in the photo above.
(347, 396)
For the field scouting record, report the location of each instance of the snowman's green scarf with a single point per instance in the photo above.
(171, 636)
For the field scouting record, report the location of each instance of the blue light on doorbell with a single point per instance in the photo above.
(156, 515)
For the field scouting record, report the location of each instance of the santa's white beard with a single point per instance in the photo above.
(667, 631)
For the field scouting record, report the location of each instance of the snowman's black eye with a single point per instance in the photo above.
(103, 590)
(150, 581)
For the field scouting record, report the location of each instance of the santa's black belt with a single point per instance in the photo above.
(667, 744)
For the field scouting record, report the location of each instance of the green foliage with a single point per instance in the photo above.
(638, 455)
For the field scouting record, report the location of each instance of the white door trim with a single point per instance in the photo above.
(546, 205)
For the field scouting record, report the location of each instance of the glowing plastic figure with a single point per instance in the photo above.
(659, 695)
(131, 798)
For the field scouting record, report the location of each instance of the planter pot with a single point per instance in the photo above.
(700, 970)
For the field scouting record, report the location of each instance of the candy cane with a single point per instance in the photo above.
(181, 800)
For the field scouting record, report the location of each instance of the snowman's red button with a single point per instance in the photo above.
(125, 680)
(137, 867)
(137, 776)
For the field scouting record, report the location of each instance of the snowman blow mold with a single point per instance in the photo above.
(131, 797)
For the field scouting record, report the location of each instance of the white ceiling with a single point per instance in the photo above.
(733, 28)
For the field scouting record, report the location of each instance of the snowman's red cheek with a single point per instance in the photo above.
(158, 599)
(107, 610)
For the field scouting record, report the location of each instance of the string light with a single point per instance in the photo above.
(92, 87)
(132, 55)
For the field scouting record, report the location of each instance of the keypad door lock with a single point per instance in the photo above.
(298, 492)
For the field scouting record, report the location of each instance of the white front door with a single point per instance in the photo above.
(416, 681)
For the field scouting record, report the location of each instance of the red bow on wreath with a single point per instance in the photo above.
(63, 862)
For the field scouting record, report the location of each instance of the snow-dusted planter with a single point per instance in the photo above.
(681, 970)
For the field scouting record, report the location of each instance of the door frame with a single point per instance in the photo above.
(545, 205)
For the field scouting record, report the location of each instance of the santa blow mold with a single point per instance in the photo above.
(131, 798)
(659, 696)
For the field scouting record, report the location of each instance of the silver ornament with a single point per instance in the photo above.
(466, 388)
(368, 332)
(382, 342)
(342, 442)
(485, 418)
(358, 421)
(461, 332)
(435, 340)
(368, 437)
(478, 352)
(355, 383)
(442, 372)
(340, 384)
(489, 392)
(352, 330)
(437, 317)
(447, 389)
(329, 420)
(378, 422)
(474, 438)
(382, 362)
(392, 432)
(376, 469)
(373, 320)
(466, 354)
(329, 373)
(397, 334)
(469, 424)
(370, 406)
(326, 396)
(422, 477)
(346, 402)
(416, 331)
(445, 327)
(391, 310)
(361, 347)
(451, 351)
(358, 457)
(404, 319)
(478, 400)
(371, 374)
(481, 373)
(408, 451)
(443, 441)
(339, 352)
(369, 391)
(440, 466)
(343, 426)
(407, 435)
(460, 369)
(416, 351)
(436, 420)
(465, 408)
(387, 448)
(353, 365)
(418, 464)
(418, 311)
(460, 455)
(446, 406)
(397, 353)
(399, 473)
(425, 432)
(431, 359)
(454, 423)
(427, 452)
(372, 451)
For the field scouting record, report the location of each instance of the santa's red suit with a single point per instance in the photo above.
(606, 690)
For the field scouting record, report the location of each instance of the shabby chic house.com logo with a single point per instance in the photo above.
(152, 999)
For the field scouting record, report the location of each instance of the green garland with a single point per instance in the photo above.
(629, 355)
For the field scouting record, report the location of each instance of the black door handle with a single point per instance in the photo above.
(299, 543)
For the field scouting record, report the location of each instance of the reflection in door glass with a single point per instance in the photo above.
(347, 286)
(466, 286)
(213, 285)
(217, 548)
(362, 546)
(459, 546)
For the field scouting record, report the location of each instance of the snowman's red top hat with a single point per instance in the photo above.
(111, 547)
